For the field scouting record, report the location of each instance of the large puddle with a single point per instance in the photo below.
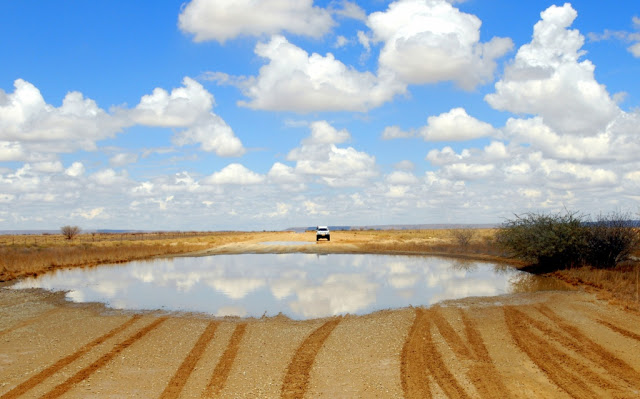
(301, 286)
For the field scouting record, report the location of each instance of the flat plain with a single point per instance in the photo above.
(580, 343)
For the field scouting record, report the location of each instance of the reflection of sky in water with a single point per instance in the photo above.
(298, 285)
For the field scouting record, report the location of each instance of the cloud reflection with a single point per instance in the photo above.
(338, 294)
(298, 285)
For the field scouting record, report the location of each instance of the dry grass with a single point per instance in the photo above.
(22, 256)
(441, 241)
(621, 283)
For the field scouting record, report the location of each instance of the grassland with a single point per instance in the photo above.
(31, 255)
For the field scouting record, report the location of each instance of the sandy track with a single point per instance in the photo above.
(551, 344)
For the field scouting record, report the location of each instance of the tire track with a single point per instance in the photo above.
(593, 351)
(102, 361)
(296, 380)
(420, 355)
(223, 368)
(619, 330)
(181, 376)
(450, 334)
(57, 366)
(484, 375)
(413, 370)
(30, 321)
(568, 374)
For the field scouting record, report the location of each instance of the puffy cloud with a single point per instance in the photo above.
(213, 135)
(495, 151)
(535, 133)
(547, 79)
(109, 177)
(455, 125)
(283, 174)
(338, 167)
(184, 106)
(190, 107)
(400, 177)
(28, 122)
(234, 174)
(76, 169)
(32, 130)
(293, 80)
(432, 41)
(222, 20)
(323, 133)
(12, 151)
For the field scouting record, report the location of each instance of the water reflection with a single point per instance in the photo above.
(298, 285)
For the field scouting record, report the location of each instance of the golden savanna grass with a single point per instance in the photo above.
(30, 255)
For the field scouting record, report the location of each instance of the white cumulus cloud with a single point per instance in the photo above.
(222, 20)
(455, 125)
(293, 80)
(235, 174)
(28, 122)
(548, 79)
(184, 106)
(189, 107)
(429, 41)
(76, 169)
(319, 155)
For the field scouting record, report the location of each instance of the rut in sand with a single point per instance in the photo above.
(102, 361)
(60, 364)
(296, 380)
(223, 368)
(177, 383)
(573, 362)
(422, 362)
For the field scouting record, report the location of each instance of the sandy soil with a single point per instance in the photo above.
(540, 345)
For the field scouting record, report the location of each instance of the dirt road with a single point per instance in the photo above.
(547, 344)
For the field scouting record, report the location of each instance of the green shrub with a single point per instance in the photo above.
(562, 240)
(611, 239)
(550, 241)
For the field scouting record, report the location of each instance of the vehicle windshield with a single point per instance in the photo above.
(323, 229)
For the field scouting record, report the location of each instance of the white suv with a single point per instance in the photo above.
(323, 232)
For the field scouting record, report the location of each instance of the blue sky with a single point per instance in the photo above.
(220, 114)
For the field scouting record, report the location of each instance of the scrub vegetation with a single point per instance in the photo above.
(564, 240)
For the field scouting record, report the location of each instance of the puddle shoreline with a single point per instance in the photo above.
(300, 286)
